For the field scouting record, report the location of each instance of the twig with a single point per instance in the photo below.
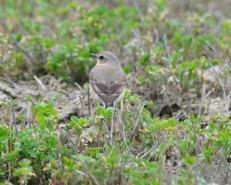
(40, 83)
(228, 100)
(108, 132)
(112, 123)
(218, 149)
(83, 107)
(154, 146)
(28, 114)
(9, 173)
(91, 176)
(81, 173)
(10, 142)
(137, 122)
(167, 48)
(155, 31)
(123, 129)
(88, 100)
(121, 168)
(10, 145)
(13, 119)
(202, 98)
(209, 93)
(80, 88)
(221, 83)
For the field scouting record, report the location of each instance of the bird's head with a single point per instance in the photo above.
(106, 57)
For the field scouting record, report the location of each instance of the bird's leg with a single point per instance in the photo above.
(108, 133)
(107, 127)
(112, 122)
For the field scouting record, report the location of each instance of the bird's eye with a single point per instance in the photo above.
(101, 57)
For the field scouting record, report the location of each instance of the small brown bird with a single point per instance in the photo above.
(107, 79)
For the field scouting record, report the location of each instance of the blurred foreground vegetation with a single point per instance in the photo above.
(167, 49)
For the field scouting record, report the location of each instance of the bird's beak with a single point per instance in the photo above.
(93, 55)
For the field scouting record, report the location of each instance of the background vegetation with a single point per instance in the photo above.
(175, 124)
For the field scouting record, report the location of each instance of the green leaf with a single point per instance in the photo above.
(4, 133)
(190, 160)
(144, 59)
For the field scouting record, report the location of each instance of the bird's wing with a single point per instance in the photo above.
(117, 88)
(108, 93)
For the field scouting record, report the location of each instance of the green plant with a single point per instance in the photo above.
(24, 172)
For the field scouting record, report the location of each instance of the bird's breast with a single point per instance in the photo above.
(107, 75)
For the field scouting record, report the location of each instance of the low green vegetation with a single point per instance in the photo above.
(166, 49)
(137, 157)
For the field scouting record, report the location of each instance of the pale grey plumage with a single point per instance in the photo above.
(107, 78)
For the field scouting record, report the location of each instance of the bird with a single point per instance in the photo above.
(107, 79)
